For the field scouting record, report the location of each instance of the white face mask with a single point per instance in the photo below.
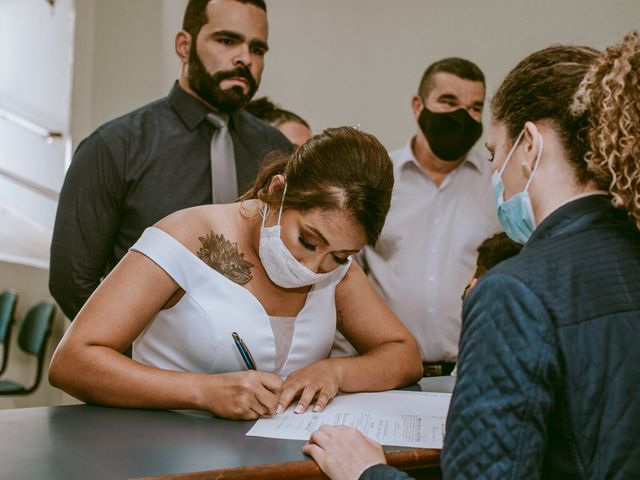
(282, 267)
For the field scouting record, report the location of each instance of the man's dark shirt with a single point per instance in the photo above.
(132, 172)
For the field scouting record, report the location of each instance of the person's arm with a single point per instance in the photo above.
(89, 365)
(389, 356)
(384, 472)
(508, 365)
(87, 222)
(344, 453)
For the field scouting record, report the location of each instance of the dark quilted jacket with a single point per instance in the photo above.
(549, 364)
(549, 378)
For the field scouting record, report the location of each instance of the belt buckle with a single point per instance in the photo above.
(432, 370)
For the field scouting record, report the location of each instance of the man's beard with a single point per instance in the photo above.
(207, 86)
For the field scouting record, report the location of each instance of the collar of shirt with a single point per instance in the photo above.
(575, 215)
(406, 155)
(192, 111)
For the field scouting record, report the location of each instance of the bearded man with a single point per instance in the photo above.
(195, 146)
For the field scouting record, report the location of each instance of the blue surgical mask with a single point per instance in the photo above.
(516, 214)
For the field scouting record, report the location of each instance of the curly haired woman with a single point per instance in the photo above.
(549, 365)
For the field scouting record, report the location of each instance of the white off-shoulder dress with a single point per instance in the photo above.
(195, 334)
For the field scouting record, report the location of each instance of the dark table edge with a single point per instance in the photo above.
(407, 460)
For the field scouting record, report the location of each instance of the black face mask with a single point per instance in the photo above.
(450, 135)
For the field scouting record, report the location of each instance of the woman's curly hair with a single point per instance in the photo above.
(609, 97)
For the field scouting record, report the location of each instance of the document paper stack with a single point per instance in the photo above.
(398, 418)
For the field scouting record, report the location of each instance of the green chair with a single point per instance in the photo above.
(33, 334)
(8, 300)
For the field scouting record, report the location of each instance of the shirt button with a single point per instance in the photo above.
(431, 310)
(432, 279)
(436, 220)
(433, 250)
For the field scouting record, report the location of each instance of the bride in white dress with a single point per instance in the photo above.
(275, 267)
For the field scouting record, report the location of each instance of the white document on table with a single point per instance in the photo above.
(398, 418)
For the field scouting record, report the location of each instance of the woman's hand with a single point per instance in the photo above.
(241, 395)
(343, 453)
(319, 381)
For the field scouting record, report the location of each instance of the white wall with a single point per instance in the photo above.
(83, 71)
(349, 62)
(172, 13)
(359, 61)
(36, 54)
(120, 59)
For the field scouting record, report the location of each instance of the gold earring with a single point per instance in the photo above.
(526, 169)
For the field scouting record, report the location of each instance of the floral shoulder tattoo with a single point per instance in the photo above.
(224, 257)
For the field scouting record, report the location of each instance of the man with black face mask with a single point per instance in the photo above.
(190, 148)
(441, 210)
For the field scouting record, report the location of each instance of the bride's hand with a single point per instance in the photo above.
(241, 395)
(319, 381)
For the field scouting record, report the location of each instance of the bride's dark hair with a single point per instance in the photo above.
(339, 169)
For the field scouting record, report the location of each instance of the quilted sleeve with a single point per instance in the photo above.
(383, 472)
(497, 423)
